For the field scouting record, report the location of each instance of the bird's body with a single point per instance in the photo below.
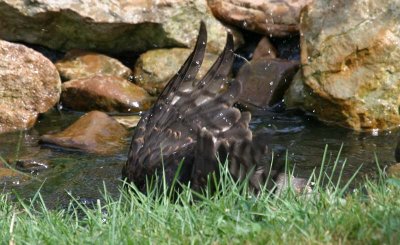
(193, 121)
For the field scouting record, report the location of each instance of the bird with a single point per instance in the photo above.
(194, 124)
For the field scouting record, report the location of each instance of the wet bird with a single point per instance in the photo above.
(194, 121)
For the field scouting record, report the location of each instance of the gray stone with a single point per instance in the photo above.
(110, 26)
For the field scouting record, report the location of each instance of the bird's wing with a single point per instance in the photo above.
(169, 131)
(194, 120)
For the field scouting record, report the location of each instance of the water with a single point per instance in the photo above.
(85, 175)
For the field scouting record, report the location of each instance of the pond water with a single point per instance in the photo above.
(85, 175)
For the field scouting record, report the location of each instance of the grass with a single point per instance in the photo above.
(369, 214)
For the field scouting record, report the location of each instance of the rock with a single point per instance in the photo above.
(128, 121)
(299, 185)
(106, 93)
(394, 171)
(79, 64)
(265, 81)
(351, 68)
(264, 49)
(109, 26)
(33, 161)
(245, 53)
(296, 94)
(94, 132)
(29, 85)
(8, 175)
(287, 48)
(6, 172)
(155, 68)
(268, 17)
(31, 165)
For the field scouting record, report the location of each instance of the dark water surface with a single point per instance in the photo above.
(85, 175)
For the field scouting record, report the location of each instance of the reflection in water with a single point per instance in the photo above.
(85, 175)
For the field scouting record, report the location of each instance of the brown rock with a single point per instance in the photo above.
(155, 68)
(128, 121)
(271, 17)
(394, 171)
(264, 49)
(29, 85)
(31, 165)
(94, 132)
(299, 185)
(108, 26)
(265, 81)
(81, 64)
(8, 173)
(106, 93)
(34, 160)
(351, 68)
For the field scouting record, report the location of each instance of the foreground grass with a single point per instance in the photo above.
(369, 214)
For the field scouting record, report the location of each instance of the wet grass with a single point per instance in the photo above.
(330, 214)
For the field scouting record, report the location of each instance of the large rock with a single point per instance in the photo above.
(112, 26)
(268, 17)
(33, 160)
(81, 64)
(394, 171)
(264, 49)
(265, 81)
(128, 121)
(106, 93)
(155, 68)
(10, 177)
(95, 132)
(298, 185)
(397, 151)
(29, 85)
(351, 68)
